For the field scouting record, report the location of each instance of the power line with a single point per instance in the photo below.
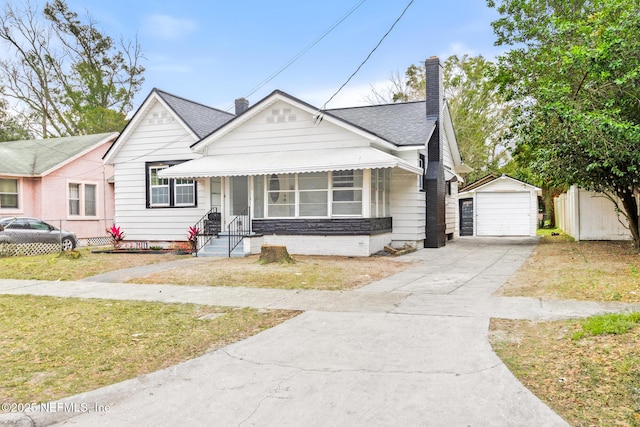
(303, 51)
(368, 56)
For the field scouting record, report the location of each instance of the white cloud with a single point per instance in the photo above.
(167, 27)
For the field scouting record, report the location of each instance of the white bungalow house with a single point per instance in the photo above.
(343, 181)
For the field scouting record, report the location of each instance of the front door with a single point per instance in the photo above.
(239, 201)
(216, 193)
(466, 217)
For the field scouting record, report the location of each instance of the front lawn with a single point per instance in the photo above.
(56, 347)
(587, 370)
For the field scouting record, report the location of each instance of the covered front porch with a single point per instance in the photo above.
(327, 204)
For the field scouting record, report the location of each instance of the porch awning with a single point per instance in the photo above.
(287, 162)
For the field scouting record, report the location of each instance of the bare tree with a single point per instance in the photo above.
(66, 77)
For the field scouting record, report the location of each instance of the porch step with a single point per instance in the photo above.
(219, 247)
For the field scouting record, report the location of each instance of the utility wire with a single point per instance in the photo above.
(368, 56)
(303, 51)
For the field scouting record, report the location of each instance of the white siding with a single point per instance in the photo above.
(447, 157)
(408, 205)
(586, 215)
(158, 137)
(297, 131)
(452, 212)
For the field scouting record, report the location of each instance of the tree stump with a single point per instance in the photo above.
(279, 254)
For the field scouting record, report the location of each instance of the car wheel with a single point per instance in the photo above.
(68, 244)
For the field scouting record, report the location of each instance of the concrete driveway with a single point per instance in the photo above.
(410, 349)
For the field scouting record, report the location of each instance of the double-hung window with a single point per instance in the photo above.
(165, 192)
(83, 200)
(8, 193)
(422, 164)
(347, 192)
(380, 192)
(314, 194)
(309, 195)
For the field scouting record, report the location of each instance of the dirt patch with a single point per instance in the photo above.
(308, 272)
(594, 271)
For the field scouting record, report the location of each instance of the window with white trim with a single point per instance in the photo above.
(346, 192)
(83, 201)
(422, 164)
(8, 193)
(308, 195)
(313, 190)
(380, 193)
(168, 192)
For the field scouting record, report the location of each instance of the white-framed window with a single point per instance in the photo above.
(380, 193)
(158, 188)
(314, 194)
(9, 193)
(281, 196)
(346, 193)
(422, 164)
(308, 195)
(166, 192)
(83, 199)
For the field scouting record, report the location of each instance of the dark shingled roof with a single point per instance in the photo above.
(401, 124)
(202, 120)
(33, 157)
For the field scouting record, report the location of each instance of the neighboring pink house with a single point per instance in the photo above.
(62, 181)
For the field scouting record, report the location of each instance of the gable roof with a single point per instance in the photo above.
(200, 120)
(38, 157)
(488, 179)
(382, 123)
(401, 123)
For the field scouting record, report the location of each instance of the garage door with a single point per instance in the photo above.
(503, 214)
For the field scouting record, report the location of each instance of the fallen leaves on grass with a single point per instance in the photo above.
(308, 272)
(589, 271)
(54, 347)
(593, 380)
(55, 267)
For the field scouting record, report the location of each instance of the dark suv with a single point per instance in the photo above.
(32, 230)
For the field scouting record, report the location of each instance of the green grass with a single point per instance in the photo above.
(552, 235)
(55, 347)
(591, 381)
(66, 267)
(607, 324)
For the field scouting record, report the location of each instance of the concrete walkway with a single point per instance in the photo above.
(410, 349)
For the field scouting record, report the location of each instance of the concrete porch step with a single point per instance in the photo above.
(219, 247)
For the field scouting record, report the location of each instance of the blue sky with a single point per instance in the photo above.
(214, 51)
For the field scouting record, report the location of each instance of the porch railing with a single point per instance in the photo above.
(239, 228)
(209, 226)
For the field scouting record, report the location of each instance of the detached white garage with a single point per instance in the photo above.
(499, 206)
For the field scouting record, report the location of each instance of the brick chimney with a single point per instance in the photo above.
(434, 179)
(242, 105)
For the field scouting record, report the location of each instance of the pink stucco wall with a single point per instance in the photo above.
(47, 197)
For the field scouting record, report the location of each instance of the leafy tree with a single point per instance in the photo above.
(574, 72)
(10, 128)
(477, 111)
(67, 76)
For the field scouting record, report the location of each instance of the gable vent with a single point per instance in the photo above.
(281, 116)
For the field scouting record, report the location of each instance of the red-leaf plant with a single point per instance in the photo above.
(193, 237)
(117, 236)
